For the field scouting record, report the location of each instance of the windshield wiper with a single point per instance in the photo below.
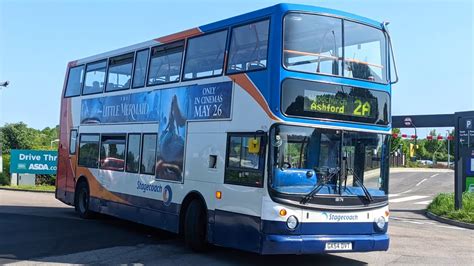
(321, 182)
(361, 185)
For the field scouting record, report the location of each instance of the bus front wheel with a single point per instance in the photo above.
(81, 202)
(195, 227)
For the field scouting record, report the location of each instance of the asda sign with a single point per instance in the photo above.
(33, 162)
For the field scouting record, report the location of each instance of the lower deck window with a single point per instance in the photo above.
(112, 152)
(245, 159)
(148, 157)
(89, 150)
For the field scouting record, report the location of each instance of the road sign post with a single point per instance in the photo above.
(464, 159)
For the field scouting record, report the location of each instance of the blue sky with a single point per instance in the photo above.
(432, 39)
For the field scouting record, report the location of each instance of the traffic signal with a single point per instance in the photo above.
(412, 150)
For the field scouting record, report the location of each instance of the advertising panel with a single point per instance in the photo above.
(171, 108)
(33, 162)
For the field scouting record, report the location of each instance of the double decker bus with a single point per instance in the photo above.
(266, 132)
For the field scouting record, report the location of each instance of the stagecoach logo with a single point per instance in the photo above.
(167, 195)
(340, 217)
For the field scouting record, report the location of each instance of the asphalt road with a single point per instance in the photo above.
(36, 228)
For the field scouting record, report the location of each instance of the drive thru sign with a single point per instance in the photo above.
(33, 162)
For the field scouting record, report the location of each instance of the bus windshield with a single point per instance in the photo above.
(329, 45)
(339, 162)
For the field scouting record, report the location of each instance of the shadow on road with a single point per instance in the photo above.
(31, 233)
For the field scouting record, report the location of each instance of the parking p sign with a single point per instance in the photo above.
(33, 162)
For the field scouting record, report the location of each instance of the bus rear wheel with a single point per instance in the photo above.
(81, 202)
(195, 225)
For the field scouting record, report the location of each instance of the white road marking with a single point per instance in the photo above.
(426, 222)
(393, 195)
(408, 191)
(408, 198)
(426, 202)
(434, 175)
(419, 183)
(451, 227)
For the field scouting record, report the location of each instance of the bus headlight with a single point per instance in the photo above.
(380, 222)
(292, 222)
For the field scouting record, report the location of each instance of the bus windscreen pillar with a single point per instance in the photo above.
(464, 164)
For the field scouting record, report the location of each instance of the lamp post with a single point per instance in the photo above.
(449, 157)
(56, 140)
(2, 84)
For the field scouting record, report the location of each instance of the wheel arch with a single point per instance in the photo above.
(192, 195)
(80, 180)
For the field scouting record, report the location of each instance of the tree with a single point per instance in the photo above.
(20, 136)
(395, 142)
(435, 145)
(17, 136)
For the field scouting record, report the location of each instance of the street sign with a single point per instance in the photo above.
(33, 162)
(407, 121)
(464, 154)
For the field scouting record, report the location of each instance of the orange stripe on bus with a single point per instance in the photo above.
(243, 81)
(180, 35)
(72, 64)
(96, 189)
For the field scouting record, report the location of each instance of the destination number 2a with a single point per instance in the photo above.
(361, 108)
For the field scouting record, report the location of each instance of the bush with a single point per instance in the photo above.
(46, 180)
(4, 179)
(443, 205)
(412, 164)
(5, 175)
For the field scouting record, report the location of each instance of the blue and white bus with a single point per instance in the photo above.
(266, 132)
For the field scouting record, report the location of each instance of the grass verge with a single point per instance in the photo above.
(32, 188)
(443, 205)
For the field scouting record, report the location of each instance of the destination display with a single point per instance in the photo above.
(340, 103)
(311, 99)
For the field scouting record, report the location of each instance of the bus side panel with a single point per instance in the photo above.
(64, 171)
(141, 213)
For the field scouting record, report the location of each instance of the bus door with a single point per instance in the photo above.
(238, 211)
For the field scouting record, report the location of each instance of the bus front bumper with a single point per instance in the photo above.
(313, 244)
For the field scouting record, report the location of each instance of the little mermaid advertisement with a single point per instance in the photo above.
(172, 134)
(172, 108)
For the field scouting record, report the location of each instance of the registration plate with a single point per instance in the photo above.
(330, 246)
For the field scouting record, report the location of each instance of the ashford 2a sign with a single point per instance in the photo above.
(33, 162)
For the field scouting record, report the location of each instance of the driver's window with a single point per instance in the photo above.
(296, 153)
(245, 159)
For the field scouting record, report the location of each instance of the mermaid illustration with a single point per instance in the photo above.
(170, 162)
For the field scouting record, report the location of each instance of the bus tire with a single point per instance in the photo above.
(81, 200)
(195, 224)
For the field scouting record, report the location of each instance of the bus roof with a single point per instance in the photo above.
(281, 8)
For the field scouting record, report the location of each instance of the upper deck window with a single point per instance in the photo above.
(165, 64)
(95, 77)
(74, 81)
(248, 47)
(139, 73)
(120, 72)
(205, 55)
(364, 52)
(315, 44)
